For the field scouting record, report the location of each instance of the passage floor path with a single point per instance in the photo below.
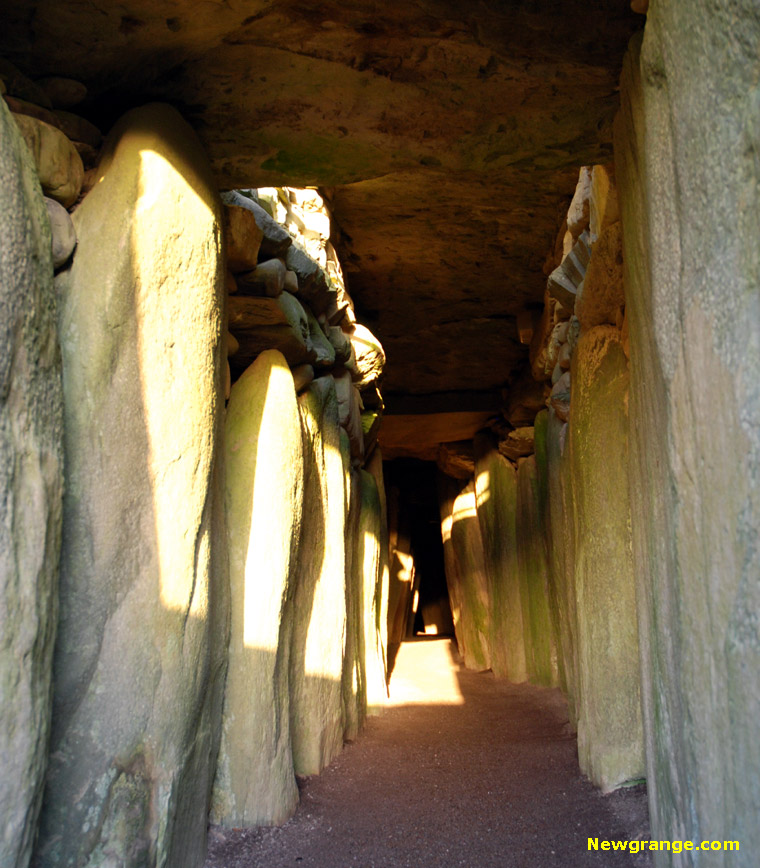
(462, 769)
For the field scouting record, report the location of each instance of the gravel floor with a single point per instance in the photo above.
(463, 769)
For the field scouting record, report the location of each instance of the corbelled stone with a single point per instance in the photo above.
(275, 241)
(517, 443)
(369, 354)
(602, 296)
(564, 280)
(266, 278)
(78, 129)
(457, 459)
(270, 323)
(578, 212)
(63, 235)
(242, 238)
(59, 166)
(63, 93)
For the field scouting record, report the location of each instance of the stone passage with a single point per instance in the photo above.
(465, 769)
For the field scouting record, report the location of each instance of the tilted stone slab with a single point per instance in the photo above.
(255, 783)
(31, 478)
(141, 650)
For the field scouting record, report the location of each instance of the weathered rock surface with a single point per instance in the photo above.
(316, 663)
(496, 498)
(31, 478)
(324, 352)
(78, 129)
(22, 107)
(63, 93)
(63, 235)
(692, 309)
(242, 238)
(470, 594)
(578, 212)
(610, 746)
(561, 549)
(602, 297)
(540, 641)
(564, 281)
(141, 650)
(270, 323)
(370, 563)
(255, 783)
(604, 209)
(275, 240)
(59, 166)
(19, 85)
(266, 279)
(560, 397)
(457, 459)
(350, 412)
(303, 375)
(468, 117)
(518, 443)
(368, 353)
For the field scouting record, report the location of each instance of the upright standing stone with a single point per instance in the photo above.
(687, 172)
(255, 783)
(471, 580)
(540, 643)
(369, 563)
(496, 497)
(31, 461)
(610, 747)
(141, 649)
(561, 542)
(354, 688)
(316, 663)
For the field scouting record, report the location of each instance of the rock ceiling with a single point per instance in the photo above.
(447, 136)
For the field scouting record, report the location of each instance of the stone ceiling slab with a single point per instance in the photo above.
(447, 137)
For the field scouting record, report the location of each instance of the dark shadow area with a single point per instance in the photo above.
(419, 598)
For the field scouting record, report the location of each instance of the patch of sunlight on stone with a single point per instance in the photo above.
(171, 418)
(323, 656)
(425, 674)
(464, 512)
(261, 633)
(483, 488)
